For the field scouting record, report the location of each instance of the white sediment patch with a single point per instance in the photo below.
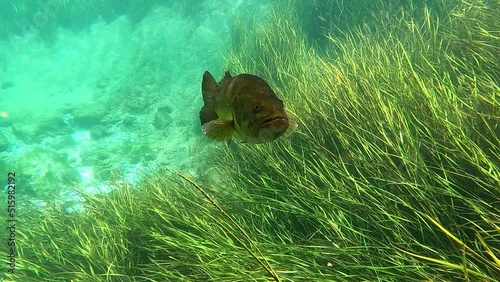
(82, 69)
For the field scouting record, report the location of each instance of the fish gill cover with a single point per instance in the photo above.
(393, 173)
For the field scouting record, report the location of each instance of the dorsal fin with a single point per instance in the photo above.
(227, 78)
(209, 90)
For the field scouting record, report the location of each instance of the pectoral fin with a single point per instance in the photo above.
(219, 129)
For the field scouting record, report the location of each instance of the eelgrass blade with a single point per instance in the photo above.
(262, 260)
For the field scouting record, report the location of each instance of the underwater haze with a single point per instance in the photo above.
(104, 91)
(362, 142)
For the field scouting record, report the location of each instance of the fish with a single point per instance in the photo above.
(244, 107)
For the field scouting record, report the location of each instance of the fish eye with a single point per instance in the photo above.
(256, 107)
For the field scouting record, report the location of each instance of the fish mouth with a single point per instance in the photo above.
(274, 119)
(271, 129)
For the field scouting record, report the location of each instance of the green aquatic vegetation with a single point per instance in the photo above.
(386, 136)
(164, 231)
(317, 18)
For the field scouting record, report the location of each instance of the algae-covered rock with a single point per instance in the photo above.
(6, 85)
(25, 131)
(129, 121)
(63, 141)
(4, 143)
(31, 128)
(52, 125)
(138, 105)
(162, 117)
(140, 153)
(44, 171)
(88, 116)
(99, 131)
(4, 122)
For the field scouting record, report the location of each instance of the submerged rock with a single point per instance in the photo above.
(6, 85)
(33, 128)
(88, 116)
(129, 121)
(4, 122)
(4, 143)
(162, 117)
(99, 131)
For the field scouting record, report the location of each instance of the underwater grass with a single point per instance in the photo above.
(166, 231)
(396, 127)
(393, 173)
(317, 18)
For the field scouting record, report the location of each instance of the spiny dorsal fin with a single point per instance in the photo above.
(225, 80)
(208, 90)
